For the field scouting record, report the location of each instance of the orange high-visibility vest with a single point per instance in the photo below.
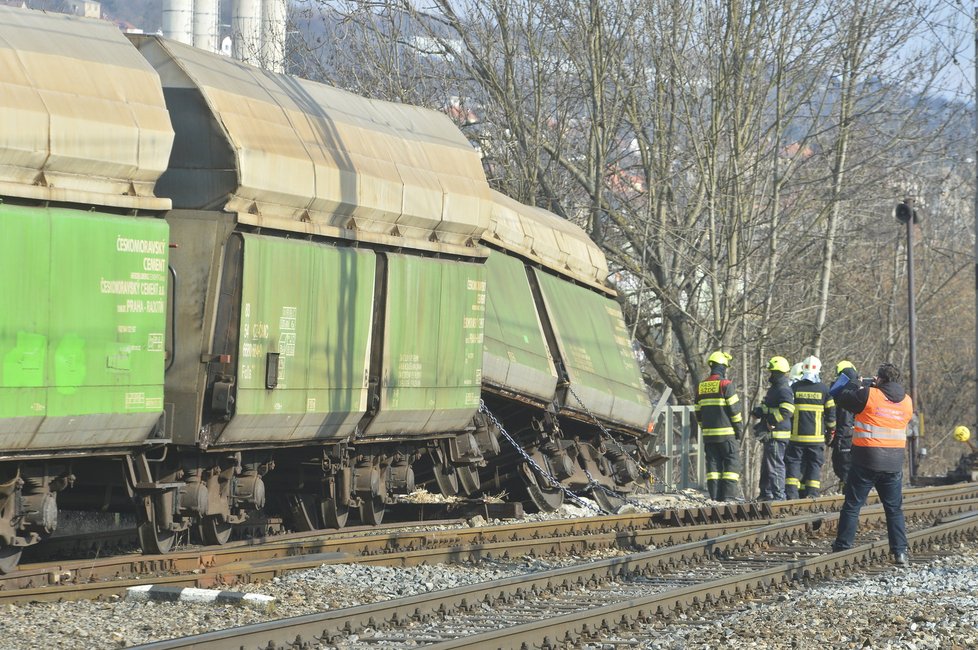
(882, 423)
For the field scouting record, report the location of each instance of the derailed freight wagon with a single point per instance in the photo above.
(559, 373)
(333, 291)
(328, 292)
(83, 267)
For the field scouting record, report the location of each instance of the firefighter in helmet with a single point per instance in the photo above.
(794, 374)
(841, 441)
(721, 428)
(814, 419)
(773, 429)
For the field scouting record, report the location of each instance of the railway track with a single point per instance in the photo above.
(406, 545)
(570, 606)
(261, 558)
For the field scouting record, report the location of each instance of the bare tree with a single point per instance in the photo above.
(728, 156)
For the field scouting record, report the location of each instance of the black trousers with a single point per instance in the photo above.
(841, 464)
(772, 470)
(803, 468)
(842, 456)
(723, 468)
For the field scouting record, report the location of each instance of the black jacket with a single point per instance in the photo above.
(718, 408)
(814, 413)
(778, 407)
(853, 398)
(844, 419)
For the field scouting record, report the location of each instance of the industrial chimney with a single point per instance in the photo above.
(246, 31)
(206, 15)
(273, 23)
(178, 20)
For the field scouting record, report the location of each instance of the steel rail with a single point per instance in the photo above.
(361, 542)
(329, 626)
(480, 546)
(560, 631)
(254, 561)
(34, 575)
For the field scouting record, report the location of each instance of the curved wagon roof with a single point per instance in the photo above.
(548, 239)
(295, 155)
(84, 120)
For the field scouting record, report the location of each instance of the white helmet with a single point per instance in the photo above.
(810, 367)
(795, 373)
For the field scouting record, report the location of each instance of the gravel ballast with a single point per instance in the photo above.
(932, 605)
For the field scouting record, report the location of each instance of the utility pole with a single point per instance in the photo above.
(975, 426)
(906, 213)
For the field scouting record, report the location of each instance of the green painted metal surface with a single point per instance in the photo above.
(517, 358)
(311, 305)
(82, 324)
(597, 352)
(433, 337)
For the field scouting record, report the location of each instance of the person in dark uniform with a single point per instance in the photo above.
(882, 412)
(774, 429)
(814, 417)
(841, 442)
(721, 428)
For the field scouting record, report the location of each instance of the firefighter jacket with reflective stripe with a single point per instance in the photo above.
(814, 412)
(718, 409)
(890, 409)
(778, 407)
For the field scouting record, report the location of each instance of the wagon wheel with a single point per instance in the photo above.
(372, 510)
(547, 499)
(303, 517)
(446, 478)
(334, 513)
(214, 530)
(468, 479)
(9, 558)
(152, 539)
(607, 501)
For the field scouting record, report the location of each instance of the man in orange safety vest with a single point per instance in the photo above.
(883, 409)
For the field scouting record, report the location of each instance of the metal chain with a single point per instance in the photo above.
(607, 434)
(532, 463)
(594, 485)
(646, 471)
(669, 489)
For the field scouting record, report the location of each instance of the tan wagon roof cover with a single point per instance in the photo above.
(314, 158)
(548, 239)
(83, 116)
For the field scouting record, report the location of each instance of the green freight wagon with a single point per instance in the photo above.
(556, 343)
(329, 294)
(83, 269)
(227, 291)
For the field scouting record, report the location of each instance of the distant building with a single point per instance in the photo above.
(86, 8)
(128, 28)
